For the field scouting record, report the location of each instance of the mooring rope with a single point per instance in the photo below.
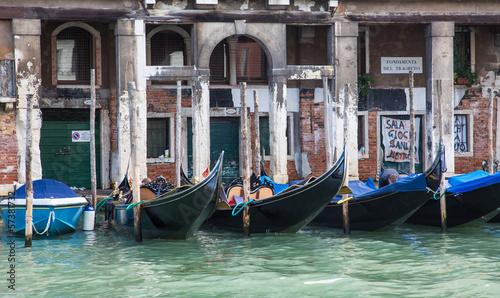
(101, 203)
(51, 214)
(242, 207)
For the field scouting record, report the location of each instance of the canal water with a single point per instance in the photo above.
(407, 261)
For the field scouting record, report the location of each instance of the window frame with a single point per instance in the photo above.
(95, 55)
(470, 133)
(472, 46)
(171, 142)
(363, 119)
(290, 138)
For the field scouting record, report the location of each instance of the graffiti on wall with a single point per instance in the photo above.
(396, 139)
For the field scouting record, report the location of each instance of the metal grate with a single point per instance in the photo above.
(167, 48)
(219, 64)
(7, 82)
(74, 55)
(461, 133)
(251, 62)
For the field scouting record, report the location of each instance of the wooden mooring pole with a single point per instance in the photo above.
(490, 133)
(136, 195)
(257, 132)
(28, 235)
(178, 133)
(442, 184)
(412, 127)
(93, 180)
(345, 204)
(246, 158)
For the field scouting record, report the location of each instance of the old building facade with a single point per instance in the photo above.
(301, 59)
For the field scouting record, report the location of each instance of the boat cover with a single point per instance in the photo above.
(471, 181)
(276, 186)
(46, 188)
(360, 190)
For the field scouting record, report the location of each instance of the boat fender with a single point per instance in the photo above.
(88, 218)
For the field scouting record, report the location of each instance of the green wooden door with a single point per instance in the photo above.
(65, 152)
(224, 135)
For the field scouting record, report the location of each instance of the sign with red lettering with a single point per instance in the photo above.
(396, 139)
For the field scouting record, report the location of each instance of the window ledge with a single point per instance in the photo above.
(464, 154)
(160, 160)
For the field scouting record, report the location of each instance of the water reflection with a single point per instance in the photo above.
(405, 261)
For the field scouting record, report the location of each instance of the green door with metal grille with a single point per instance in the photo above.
(65, 148)
(224, 135)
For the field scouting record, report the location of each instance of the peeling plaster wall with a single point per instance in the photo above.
(27, 53)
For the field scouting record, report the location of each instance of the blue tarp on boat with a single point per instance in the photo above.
(276, 186)
(471, 181)
(46, 188)
(411, 183)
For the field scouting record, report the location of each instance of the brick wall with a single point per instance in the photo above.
(474, 101)
(312, 131)
(368, 167)
(8, 145)
(165, 101)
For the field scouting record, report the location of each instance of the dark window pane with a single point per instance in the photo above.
(158, 137)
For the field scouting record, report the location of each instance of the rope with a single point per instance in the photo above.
(439, 196)
(242, 207)
(101, 203)
(51, 214)
(133, 205)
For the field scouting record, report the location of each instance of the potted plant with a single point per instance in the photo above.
(365, 82)
(464, 76)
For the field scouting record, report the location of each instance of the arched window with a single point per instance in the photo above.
(250, 61)
(167, 48)
(74, 55)
(76, 49)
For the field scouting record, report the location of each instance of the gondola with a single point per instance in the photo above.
(375, 209)
(471, 199)
(286, 212)
(176, 214)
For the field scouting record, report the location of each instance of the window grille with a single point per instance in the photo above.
(7, 82)
(74, 55)
(251, 62)
(460, 128)
(219, 63)
(167, 48)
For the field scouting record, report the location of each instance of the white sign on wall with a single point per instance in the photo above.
(401, 65)
(80, 136)
(396, 139)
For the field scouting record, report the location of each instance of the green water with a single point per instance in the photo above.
(408, 261)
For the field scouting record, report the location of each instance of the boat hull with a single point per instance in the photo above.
(374, 213)
(54, 216)
(174, 215)
(466, 209)
(286, 212)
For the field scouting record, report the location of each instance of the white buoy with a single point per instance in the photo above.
(88, 218)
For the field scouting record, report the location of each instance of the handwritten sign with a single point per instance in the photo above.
(390, 65)
(396, 139)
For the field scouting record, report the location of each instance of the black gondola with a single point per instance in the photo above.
(288, 211)
(176, 214)
(388, 206)
(467, 203)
